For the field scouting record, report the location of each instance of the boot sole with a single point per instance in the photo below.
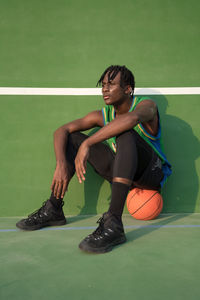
(39, 226)
(88, 249)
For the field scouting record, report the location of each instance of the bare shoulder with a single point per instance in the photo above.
(150, 110)
(91, 120)
(148, 103)
(95, 117)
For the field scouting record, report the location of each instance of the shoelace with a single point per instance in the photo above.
(100, 228)
(38, 211)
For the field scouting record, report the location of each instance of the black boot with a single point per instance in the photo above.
(47, 215)
(109, 233)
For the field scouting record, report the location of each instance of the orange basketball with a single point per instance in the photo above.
(144, 204)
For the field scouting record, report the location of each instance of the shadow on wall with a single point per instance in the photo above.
(181, 147)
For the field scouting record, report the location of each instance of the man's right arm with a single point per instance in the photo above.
(60, 179)
(91, 120)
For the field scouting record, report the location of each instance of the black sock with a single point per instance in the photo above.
(118, 198)
(57, 203)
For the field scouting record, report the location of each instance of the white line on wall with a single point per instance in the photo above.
(96, 91)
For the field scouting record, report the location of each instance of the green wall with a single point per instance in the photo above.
(27, 155)
(69, 44)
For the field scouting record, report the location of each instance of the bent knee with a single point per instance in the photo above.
(76, 138)
(126, 136)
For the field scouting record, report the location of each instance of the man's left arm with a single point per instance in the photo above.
(145, 111)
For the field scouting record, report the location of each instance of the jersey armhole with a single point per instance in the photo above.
(104, 115)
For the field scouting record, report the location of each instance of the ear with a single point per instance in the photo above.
(128, 90)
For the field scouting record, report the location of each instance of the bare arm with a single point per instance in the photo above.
(60, 178)
(91, 120)
(145, 112)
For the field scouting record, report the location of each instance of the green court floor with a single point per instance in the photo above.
(159, 261)
(69, 44)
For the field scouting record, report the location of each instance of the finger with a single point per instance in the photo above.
(77, 171)
(64, 188)
(59, 189)
(78, 175)
(81, 170)
(55, 189)
(52, 185)
(85, 166)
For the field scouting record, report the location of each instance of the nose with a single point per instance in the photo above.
(105, 87)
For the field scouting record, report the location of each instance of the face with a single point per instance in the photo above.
(112, 92)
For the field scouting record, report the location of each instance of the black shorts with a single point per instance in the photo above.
(149, 171)
(152, 175)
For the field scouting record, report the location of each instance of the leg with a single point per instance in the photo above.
(51, 212)
(110, 231)
(126, 167)
(101, 158)
(132, 164)
(132, 159)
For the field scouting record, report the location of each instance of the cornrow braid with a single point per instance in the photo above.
(126, 78)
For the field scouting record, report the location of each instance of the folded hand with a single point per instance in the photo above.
(60, 181)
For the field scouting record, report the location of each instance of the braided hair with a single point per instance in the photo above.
(126, 78)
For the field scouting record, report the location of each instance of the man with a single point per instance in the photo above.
(126, 151)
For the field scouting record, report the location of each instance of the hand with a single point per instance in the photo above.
(81, 161)
(60, 181)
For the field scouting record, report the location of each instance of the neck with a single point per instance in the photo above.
(123, 107)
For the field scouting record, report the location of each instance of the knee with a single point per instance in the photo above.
(126, 136)
(74, 141)
(75, 137)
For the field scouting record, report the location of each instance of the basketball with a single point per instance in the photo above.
(144, 204)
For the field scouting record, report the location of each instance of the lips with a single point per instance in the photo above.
(106, 97)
